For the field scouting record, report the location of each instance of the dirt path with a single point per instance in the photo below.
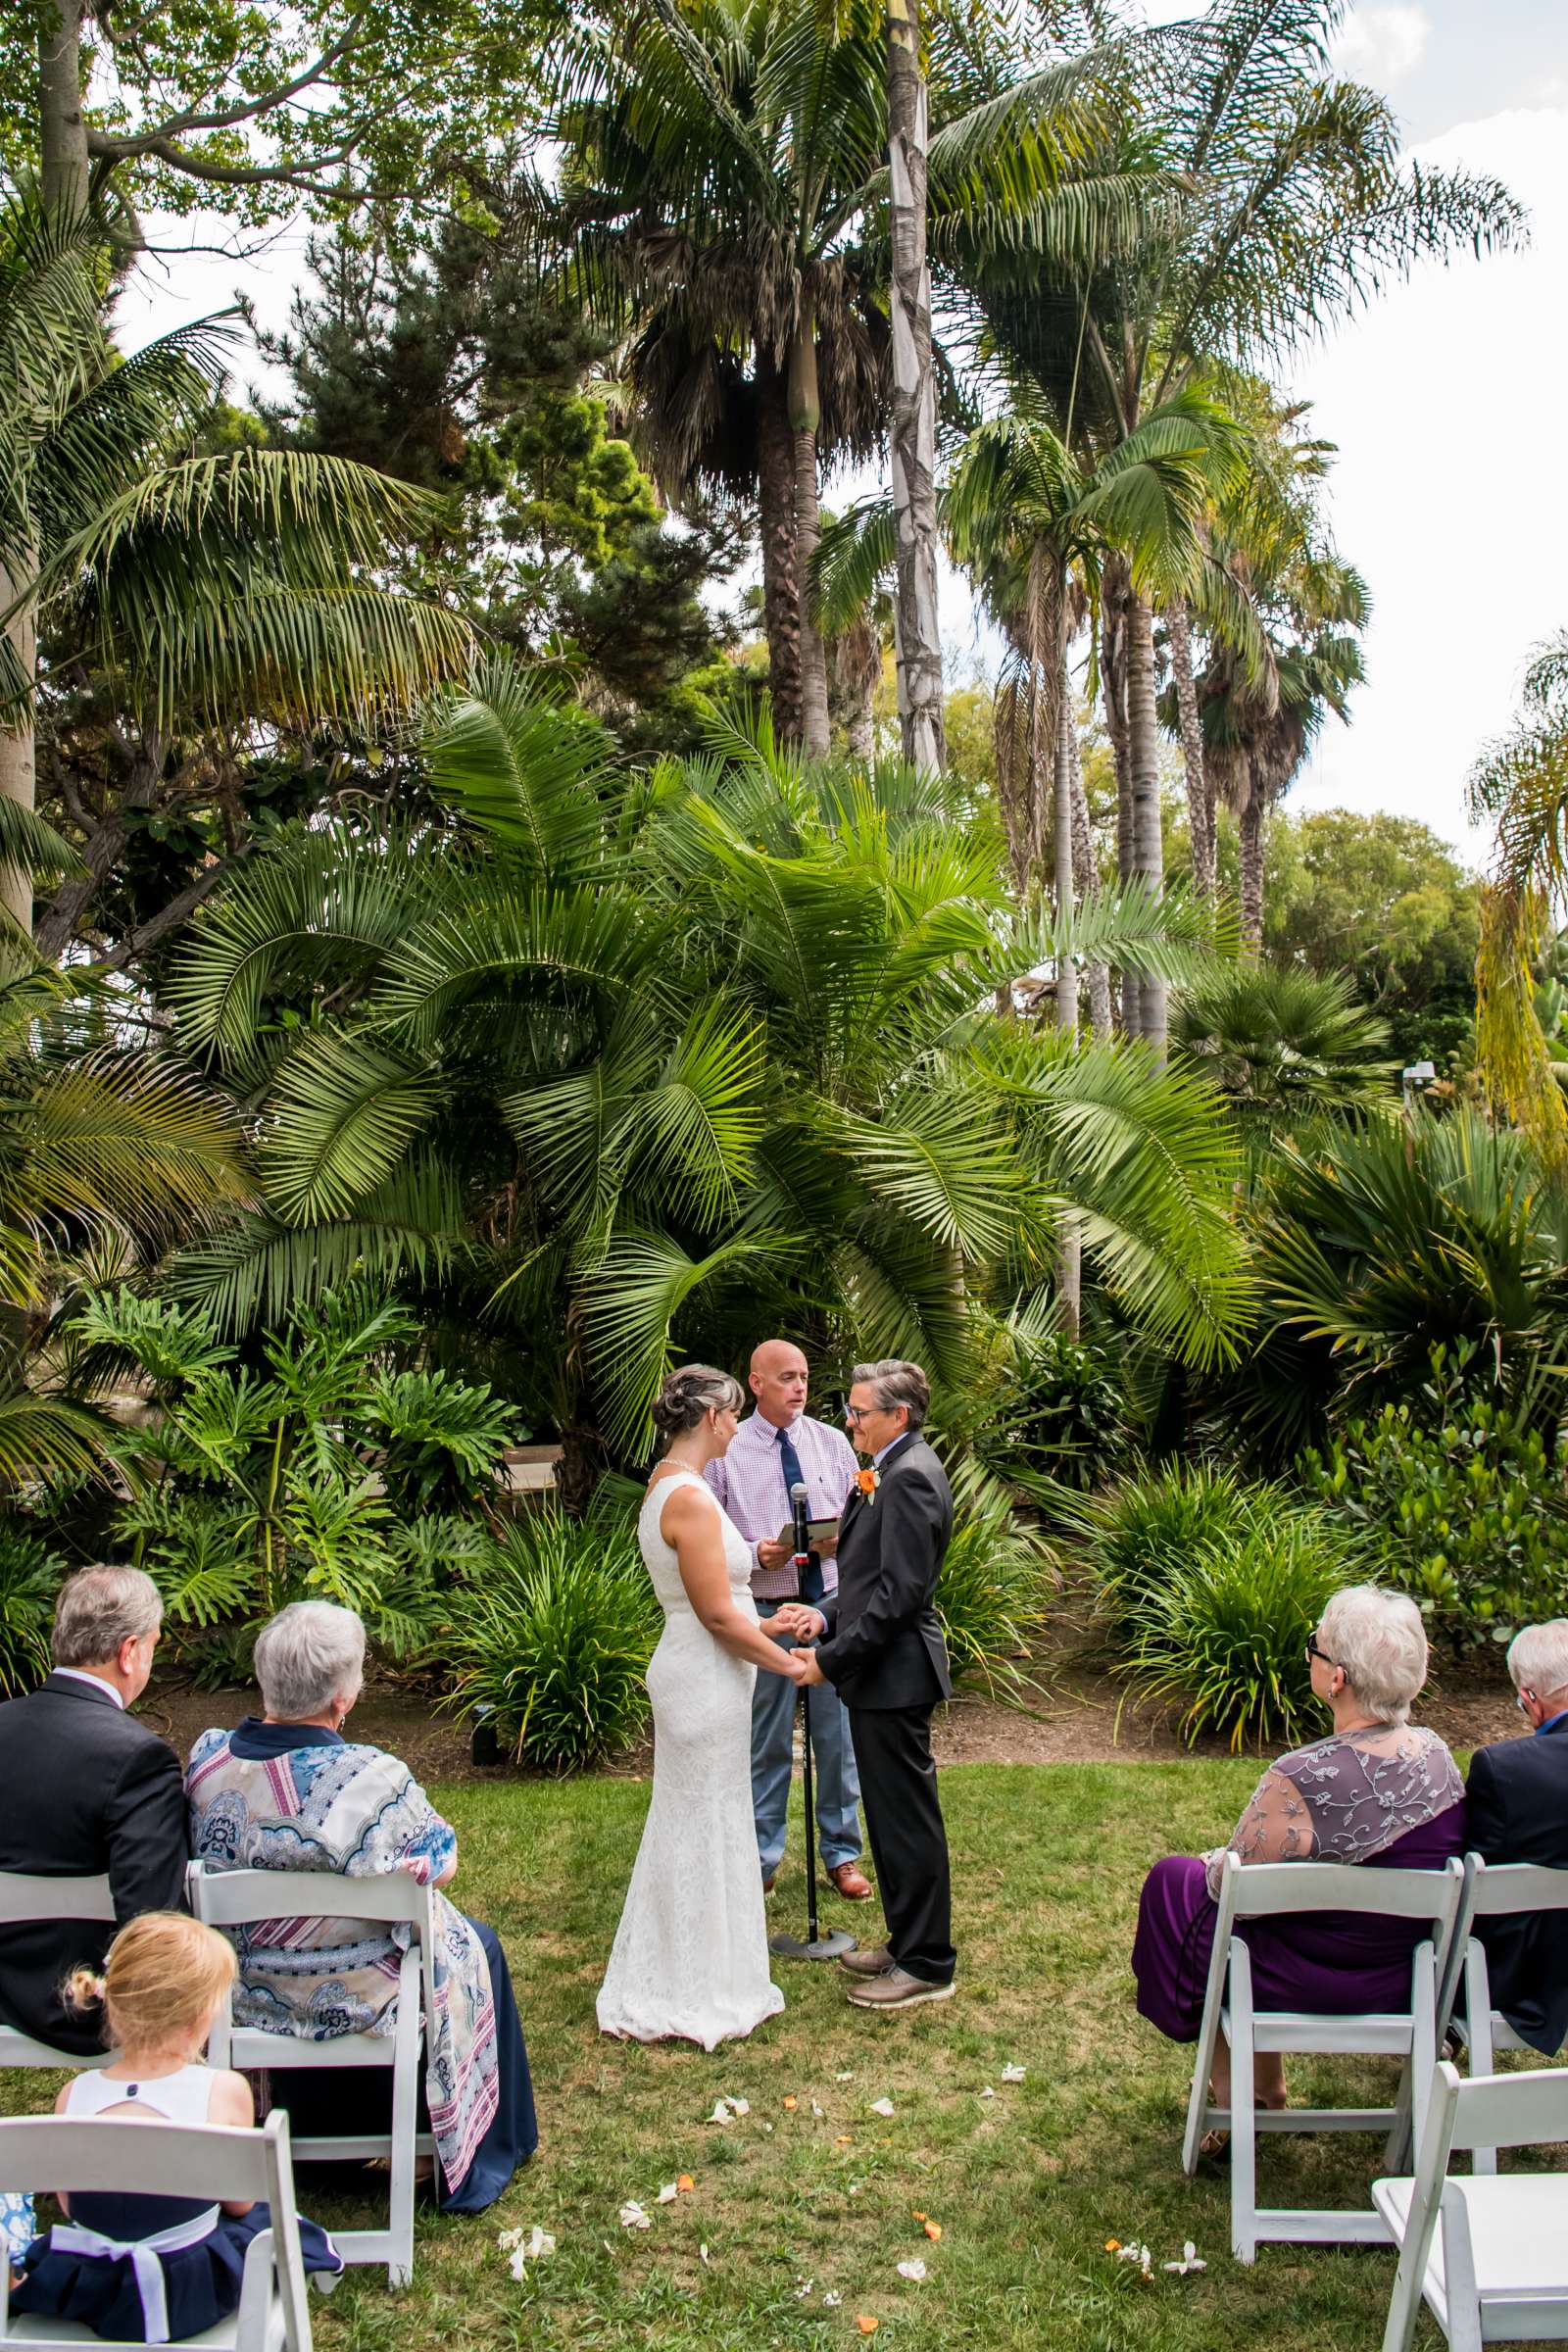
(1080, 1715)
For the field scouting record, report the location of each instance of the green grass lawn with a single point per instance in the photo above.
(1026, 2186)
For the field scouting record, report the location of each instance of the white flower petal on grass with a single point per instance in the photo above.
(540, 2242)
(914, 2271)
(988, 2092)
(816, 2110)
(804, 2288)
(847, 2076)
(509, 2239)
(668, 2193)
(1188, 2262)
(1014, 2074)
(736, 2106)
(703, 2252)
(831, 2302)
(632, 2217)
(720, 2115)
(517, 2265)
(881, 2106)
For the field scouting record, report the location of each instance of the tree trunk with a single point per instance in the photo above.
(1086, 881)
(64, 178)
(18, 780)
(1066, 964)
(805, 416)
(1114, 684)
(914, 397)
(1251, 852)
(1143, 765)
(1199, 792)
(781, 602)
(853, 672)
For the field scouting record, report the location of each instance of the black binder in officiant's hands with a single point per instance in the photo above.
(817, 1530)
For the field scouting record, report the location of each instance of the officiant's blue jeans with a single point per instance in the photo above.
(838, 1784)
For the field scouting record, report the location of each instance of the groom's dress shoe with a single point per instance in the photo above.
(770, 1882)
(895, 1989)
(871, 1960)
(851, 1882)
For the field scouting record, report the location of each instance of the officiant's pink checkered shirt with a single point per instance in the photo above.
(749, 1481)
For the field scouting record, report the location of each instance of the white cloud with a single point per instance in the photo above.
(1382, 43)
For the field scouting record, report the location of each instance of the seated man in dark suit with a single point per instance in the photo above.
(1517, 1799)
(89, 1790)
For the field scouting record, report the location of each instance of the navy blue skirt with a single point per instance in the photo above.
(201, 2283)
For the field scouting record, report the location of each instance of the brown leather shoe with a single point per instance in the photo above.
(895, 1989)
(868, 1960)
(768, 1885)
(851, 1882)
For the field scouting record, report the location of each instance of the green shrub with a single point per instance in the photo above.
(1224, 1638)
(554, 1636)
(1058, 1418)
(1155, 1523)
(991, 1595)
(30, 1578)
(1468, 1517)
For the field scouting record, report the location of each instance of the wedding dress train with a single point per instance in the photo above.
(690, 1956)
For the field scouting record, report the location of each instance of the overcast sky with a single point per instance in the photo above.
(1450, 492)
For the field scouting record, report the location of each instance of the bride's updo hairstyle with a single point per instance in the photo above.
(691, 1392)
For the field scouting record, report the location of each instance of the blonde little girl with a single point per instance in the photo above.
(164, 1982)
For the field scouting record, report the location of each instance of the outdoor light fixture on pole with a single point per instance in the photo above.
(1419, 1073)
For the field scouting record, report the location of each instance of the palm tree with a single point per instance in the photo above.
(210, 587)
(1283, 1047)
(1287, 202)
(686, 1049)
(1254, 749)
(726, 203)
(1520, 782)
(104, 1151)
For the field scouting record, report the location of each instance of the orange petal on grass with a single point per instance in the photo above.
(685, 2180)
(844, 2139)
(867, 2321)
(920, 2216)
(1114, 2245)
(933, 2230)
(791, 2104)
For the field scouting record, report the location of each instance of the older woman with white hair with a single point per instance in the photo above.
(288, 1791)
(1377, 1791)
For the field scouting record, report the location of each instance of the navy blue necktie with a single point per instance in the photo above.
(794, 1476)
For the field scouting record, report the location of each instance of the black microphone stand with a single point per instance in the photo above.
(816, 1945)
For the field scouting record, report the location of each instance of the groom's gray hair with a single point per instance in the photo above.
(896, 1383)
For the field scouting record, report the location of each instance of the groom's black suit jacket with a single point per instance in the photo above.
(883, 1648)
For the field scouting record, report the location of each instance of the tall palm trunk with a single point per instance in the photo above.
(1070, 1245)
(1143, 763)
(1086, 881)
(63, 174)
(805, 418)
(781, 600)
(1113, 683)
(18, 756)
(1199, 790)
(1249, 848)
(914, 398)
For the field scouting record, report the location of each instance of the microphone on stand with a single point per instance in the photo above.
(801, 1511)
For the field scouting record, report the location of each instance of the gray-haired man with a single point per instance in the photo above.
(884, 1653)
(91, 1793)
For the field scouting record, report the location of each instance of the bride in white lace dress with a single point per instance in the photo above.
(690, 1956)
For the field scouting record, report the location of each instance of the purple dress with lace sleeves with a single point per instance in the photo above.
(1391, 1798)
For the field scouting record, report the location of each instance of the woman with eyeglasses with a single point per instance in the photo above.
(1376, 1790)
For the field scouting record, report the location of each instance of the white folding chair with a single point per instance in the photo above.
(209, 2161)
(1500, 1891)
(25, 1900)
(1490, 2256)
(1278, 1890)
(234, 1898)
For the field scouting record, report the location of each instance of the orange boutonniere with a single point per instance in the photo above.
(868, 1482)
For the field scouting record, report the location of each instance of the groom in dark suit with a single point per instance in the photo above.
(883, 1652)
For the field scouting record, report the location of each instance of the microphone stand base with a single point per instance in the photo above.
(825, 1947)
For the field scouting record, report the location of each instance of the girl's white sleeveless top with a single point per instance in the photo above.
(179, 2098)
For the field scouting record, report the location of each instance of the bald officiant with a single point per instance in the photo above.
(777, 1447)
